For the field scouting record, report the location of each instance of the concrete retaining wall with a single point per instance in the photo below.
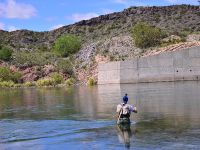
(167, 66)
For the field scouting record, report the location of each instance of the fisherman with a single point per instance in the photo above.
(124, 111)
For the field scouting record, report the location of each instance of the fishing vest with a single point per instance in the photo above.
(125, 109)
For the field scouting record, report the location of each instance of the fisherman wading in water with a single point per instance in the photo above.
(124, 111)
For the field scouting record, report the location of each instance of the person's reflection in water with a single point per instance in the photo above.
(124, 134)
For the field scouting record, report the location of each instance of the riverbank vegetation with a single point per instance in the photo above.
(40, 67)
(91, 82)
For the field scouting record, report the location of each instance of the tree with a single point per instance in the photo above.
(5, 53)
(8, 75)
(66, 45)
(65, 66)
(146, 35)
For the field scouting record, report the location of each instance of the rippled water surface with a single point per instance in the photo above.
(84, 118)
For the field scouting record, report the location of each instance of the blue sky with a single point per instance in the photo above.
(45, 15)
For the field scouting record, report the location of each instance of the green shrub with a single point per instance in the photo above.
(70, 82)
(184, 33)
(65, 66)
(57, 78)
(46, 82)
(43, 48)
(16, 77)
(5, 73)
(7, 84)
(8, 75)
(67, 45)
(17, 85)
(33, 58)
(145, 35)
(5, 53)
(29, 84)
(91, 81)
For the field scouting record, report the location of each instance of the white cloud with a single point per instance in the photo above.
(9, 28)
(2, 26)
(12, 9)
(56, 26)
(79, 17)
(12, 28)
(107, 11)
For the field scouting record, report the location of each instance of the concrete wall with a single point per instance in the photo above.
(167, 66)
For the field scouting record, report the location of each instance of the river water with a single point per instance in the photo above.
(84, 117)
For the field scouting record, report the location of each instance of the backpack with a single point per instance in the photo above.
(125, 109)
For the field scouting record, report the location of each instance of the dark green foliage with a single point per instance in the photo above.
(46, 82)
(65, 66)
(184, 33)
(69, 82)
(29, 59)
(157, 17)
(91, 82)
(145, 35)
(16, 77)
(43, 48)
(67, 45)
(8, 75)
(5, 53)
(4, 74)
(57, 78)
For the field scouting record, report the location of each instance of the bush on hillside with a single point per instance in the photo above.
(7, 84)
(70, 82)
(46, 82)
(145, 35)
(8, 75)
(29, 59)
(91, 82)
(65, 66)
(57, 78)
(29, 84)
(67, 45)
(5, 53)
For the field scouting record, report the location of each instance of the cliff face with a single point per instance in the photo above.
(169, 18)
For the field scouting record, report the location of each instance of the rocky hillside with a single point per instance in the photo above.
(170, 18)
(107, 37)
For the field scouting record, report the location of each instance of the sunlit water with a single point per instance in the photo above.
(84, 118)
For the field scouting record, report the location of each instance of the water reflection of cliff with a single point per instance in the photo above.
(179, 100)
(97, 102)
(35, 103)
(154, 100)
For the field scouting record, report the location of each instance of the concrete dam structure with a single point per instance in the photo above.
(167, 66)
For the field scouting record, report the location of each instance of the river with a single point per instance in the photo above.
(84, 117)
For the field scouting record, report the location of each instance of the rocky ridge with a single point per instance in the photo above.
(107, 37)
